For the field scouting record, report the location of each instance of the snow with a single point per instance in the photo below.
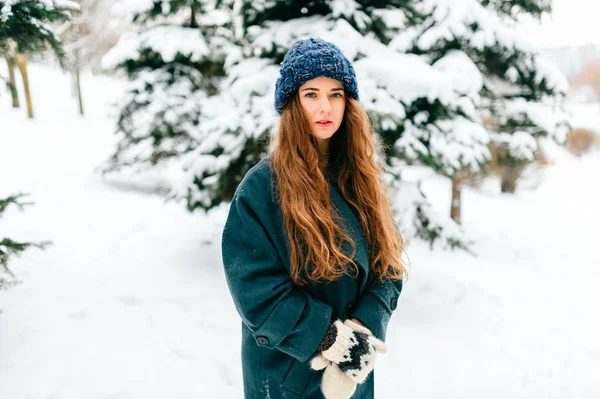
(6, 10)
(392, 18)
(281, 35)
(453, 20)
(545, 116)
(413, 208)
(544, 71)
(61, 5)
(406, 77)
(465, 75)
(133, 6)
(160, 39)
(520, 145)
(350, 9)
(243, 107)
(455, 144)
(409, 142)
(584, 116)
(462, 146)
(64, 5)
(130, 300)
(568, 25)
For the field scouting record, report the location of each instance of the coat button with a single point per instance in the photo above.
(394, 303)
(261, 340)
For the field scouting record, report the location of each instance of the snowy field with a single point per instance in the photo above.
(130, 301)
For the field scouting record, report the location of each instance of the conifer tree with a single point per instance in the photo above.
(520, 93)
(175, 59)
(211, 122)
(9, 247)
(25, 30)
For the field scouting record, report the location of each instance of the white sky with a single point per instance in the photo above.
(572, 23)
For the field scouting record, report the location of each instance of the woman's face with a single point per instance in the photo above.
(323, 102)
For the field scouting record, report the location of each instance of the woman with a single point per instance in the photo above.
(310, 249)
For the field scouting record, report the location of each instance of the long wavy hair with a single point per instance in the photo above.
(302, 173)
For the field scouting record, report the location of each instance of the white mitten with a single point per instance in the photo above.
(348, 360)
(359, 328)
(335, 384)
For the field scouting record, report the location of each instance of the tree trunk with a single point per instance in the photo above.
(456, 206)
(12, 83)
(193, 22)
(73, 83)
(21, 61)
(510, 176)
(78, 80)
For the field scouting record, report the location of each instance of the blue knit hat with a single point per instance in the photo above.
(309, 59)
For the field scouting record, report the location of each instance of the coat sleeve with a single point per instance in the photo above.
(376, 305)
(279, 314)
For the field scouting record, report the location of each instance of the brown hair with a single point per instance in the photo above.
(303, 195)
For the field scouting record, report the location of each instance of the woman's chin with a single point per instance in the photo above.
(324, 135)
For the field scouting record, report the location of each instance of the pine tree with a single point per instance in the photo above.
(521, 94)
(174, 60)
(9, 247)
(206, 110)
(25, 30)
(419, 113)
(88, 36)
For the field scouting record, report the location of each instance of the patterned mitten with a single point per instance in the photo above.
(353, 349)
(335, 383)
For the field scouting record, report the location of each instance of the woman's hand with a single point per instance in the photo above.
(348, 361)
(357, 321)
(353, 350)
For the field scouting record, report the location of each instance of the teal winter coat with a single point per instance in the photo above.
(282, 324)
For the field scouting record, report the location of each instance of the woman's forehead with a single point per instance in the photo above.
(323, 82)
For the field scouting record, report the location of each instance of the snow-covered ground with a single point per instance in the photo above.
(130, 301)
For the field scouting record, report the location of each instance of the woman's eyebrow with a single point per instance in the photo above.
(315, 89)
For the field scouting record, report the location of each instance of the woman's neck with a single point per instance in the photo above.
(324, 154)
(324, 146)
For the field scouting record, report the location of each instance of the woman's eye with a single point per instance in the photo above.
(337, 95)
(310, 95)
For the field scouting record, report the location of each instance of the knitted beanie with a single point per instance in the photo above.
(308, 59)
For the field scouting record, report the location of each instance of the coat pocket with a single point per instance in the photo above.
(297, 377)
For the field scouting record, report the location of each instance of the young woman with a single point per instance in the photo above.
(310, 249)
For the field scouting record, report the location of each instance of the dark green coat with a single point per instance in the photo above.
(282, 325)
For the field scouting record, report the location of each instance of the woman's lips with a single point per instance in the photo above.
(325, 123)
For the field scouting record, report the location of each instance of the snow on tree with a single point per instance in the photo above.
(95, 30)
(200, 102)
(513, 9)
(175, 60)
(25, 30)
(87, 37)
(10, 247)
(518, 85)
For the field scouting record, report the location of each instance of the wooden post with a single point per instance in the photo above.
(78, 68)
(456, 206)
(12, 83)
(21, 61)
(78, 81)
(510, 176)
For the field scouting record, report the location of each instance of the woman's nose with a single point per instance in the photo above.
(325, 105)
